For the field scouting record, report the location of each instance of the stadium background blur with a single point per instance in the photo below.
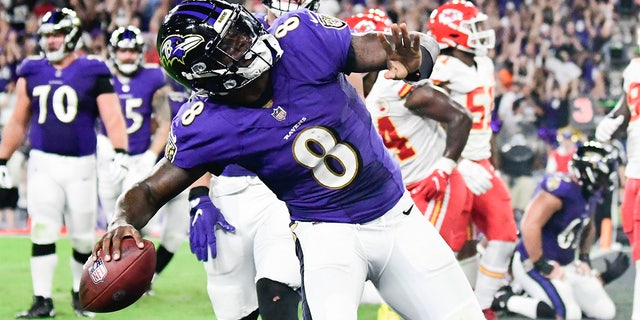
(558, 67)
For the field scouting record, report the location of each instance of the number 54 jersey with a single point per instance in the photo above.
(314, 144)
(472, 87)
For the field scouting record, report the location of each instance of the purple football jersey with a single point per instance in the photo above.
(313, 145)
(63, 104)
(560, 235)
(136, 98)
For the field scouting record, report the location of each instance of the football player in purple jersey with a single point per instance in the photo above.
(143, 90)
(277, 103)
(59, 98)
(551, 261)
(259, 255)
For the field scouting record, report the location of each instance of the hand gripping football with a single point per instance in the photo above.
(116, 284)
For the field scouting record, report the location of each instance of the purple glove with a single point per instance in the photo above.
(204, 219)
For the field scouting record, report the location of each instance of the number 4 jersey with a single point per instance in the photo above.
(314, 144)
(63, 103)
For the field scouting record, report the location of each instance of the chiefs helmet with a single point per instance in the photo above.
(595, 165)
(63, 21)
(215, 47)
(371, 20)
(280, 7)
(458, 24)
(126, 38)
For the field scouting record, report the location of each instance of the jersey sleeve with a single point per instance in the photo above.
(192, 143)
(320, 43)
(442, 73)
(556, 184)
(26, 67)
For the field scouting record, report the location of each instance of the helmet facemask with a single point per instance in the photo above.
(224, 51)
(63, 21)
(129, 38)
(595, 168)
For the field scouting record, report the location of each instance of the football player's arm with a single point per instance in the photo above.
(543, 206)
(432, 102)
(400, 52)
(111, 114)
(140, 203)
(162, 113)
(17, 127)
(616, 119)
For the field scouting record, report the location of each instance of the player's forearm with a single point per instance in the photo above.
(457, 134)
(532, 239)
(12, 137)
(159, 139)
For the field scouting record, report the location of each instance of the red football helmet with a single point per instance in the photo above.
(458, 24)
(371, 20)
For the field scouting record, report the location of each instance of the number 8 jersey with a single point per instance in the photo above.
(63, 103)
(472, 87)
(314, 144)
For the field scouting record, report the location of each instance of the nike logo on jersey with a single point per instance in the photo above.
(408, 211)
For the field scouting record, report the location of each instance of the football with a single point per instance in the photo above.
(115, 285)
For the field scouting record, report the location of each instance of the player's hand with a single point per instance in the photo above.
(147, 161)
(205, 218)
(607, 127)
(405, 55)
(110, 241)
(435, 185)
(5, 178)
(475, 176)
(615, 268)
(119, 166)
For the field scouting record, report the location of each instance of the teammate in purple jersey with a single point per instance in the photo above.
(277, 103)
(556, 229)
(59, 99)
(142, 90)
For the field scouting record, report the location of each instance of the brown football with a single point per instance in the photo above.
(115, 285)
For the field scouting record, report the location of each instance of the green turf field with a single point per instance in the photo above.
(180, 290)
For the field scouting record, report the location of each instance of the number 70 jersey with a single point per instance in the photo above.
(472, 87)
(63, 104)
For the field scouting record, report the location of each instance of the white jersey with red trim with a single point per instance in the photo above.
(631, 83)
(471, 87)
(415, 142)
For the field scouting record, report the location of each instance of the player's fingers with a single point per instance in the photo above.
(385, 43)
(106, 246)
(397, 38)
(416, 43)
(406, 38)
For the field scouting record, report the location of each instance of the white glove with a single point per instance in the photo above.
(475, 176)
(607, 127)
(5, 178)
(119, 166)
(146, 162)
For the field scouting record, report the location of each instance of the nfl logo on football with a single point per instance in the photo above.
(98, 271)
(279, 113)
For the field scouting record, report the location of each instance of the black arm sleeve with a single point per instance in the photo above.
(103, 85)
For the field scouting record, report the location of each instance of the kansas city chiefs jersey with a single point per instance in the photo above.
(415, 142)
(472, 87)
(631, 83)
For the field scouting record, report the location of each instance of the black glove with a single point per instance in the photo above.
(615, 268)
(584, 257)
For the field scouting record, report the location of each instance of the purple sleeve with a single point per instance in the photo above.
(319, 42)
